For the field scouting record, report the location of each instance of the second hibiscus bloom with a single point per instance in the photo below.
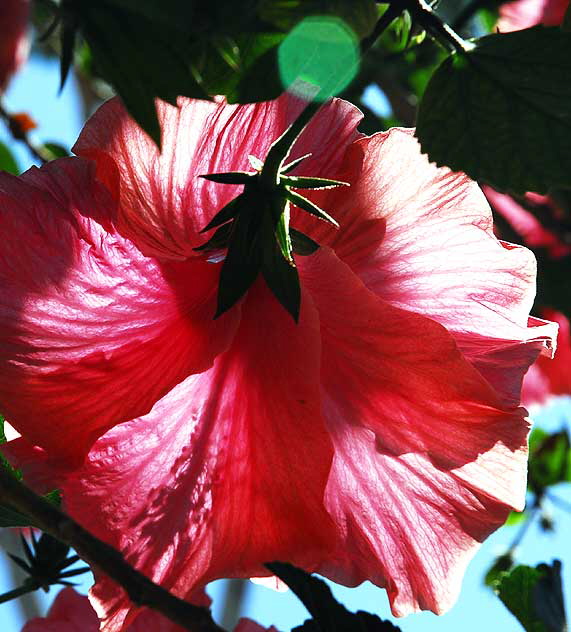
(378, 438)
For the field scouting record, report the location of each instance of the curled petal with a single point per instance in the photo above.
(163, 203)
(436, 253)
(428, 461)
(84, 316)
(548, 377)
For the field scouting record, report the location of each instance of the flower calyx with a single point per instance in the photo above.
(254, 229)
(45, 562)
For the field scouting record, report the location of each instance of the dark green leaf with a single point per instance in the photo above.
(548, 598)
(140, 60)
(501, 564)
(549, 459)
(56, 150)
(243, 260)
(7, 161)
(502, 111)
(230, 177)
(534, 597)
(279, 273)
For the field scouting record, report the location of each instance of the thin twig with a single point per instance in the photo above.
(422, 13)
(100, 556)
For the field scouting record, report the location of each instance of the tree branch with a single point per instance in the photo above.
(99, 555)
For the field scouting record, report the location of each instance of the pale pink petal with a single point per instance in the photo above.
(163, 203)
(522, 14)
(227, 472)
(85, 318)
(437, 254)
(272, 582)
(533, 232)
(13, 41)
(548, 377)
(427, 462)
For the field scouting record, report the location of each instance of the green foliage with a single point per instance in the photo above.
(193, 48)
(328, 614)
(534, 596)
(7, 161)
(549, 459)
(501, 564)
(56, 150)
(501, 111)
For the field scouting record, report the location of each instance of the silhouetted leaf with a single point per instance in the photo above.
(502, 111)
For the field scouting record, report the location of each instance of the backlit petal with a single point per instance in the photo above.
(163, 203)
(227, 472)
(427, 461)
(92, 333)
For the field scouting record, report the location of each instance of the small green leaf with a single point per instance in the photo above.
(224, 215)
(230, 177)
(515, 518)
(501, 112)
(549, 459)
(308, 206)
(283, 236)
(534, 597)
(56, 150)
(290, 166)
(7, 161)
(301, 182)
(301, 243)
(501, 564)
(243, 260)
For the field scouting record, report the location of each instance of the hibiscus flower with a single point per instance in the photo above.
(522, 14)
(380, 437)
(72, 612)
(13, 40)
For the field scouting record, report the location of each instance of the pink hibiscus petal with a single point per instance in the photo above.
(522, 14)
(14, 43)
(427, 462)
(84, 316)
(547, 377)
(533, 232)
(163, 204)
(227, 472)
(437, 254)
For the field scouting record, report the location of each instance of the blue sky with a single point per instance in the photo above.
(34, 90)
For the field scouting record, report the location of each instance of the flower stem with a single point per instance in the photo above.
(422, 12)
(102, 557)
(280, 149)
